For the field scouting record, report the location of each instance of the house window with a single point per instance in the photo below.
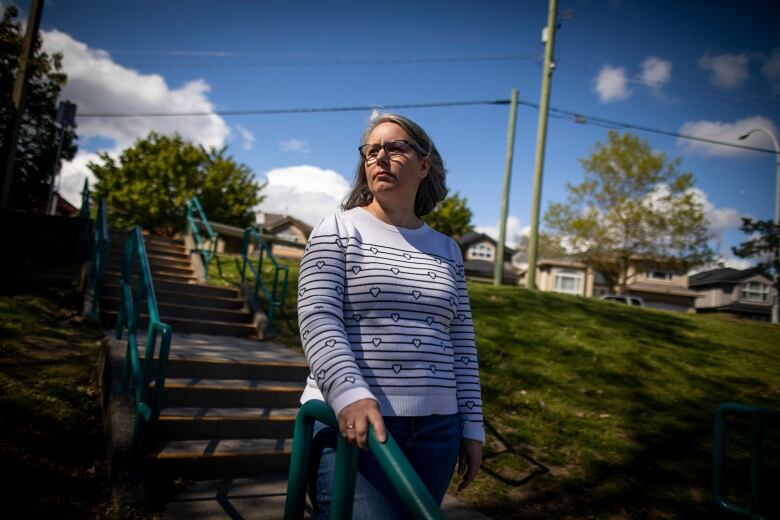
(481, 251)
(288, 234)
(754, 291)
(660, 275)
(568, 281)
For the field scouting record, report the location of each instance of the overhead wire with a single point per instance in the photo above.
(575, 116)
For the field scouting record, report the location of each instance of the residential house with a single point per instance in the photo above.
(660, 286)
(289, 234)
(747, 293)
(479, 257)
(567, 276)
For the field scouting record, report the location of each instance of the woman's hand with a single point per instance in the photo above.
(469, 461)
(354, 421)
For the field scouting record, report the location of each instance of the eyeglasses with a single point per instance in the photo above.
(369, 152)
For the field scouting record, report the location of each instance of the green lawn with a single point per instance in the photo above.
(615, 403)
(51, 440)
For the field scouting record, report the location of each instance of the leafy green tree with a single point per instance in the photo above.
(550, 246)
(633, 204)
(152, 181)
(763, 244)
(451, 216)
(38, 138)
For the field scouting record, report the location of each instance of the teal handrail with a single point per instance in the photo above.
(197, 222)
(275, 296)
(101, 245)
(402, 476)
(136, 376)
(758, 417)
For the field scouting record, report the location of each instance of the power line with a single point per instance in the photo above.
(574, 116)
(309, 63)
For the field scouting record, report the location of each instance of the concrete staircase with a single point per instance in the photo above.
(230, 399)
(184, 303)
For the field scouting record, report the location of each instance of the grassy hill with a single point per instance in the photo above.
(616, 401)
(596, 409)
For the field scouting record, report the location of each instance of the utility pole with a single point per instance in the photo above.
(19, 95)
(548, 37)
(498, 273)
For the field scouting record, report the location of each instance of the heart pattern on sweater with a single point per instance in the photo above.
(470, 404)
(357, 317)
(330, 342)
(376, 341)
(349, 379)
(407, 256)
(395, 317)
(416, 342)
(429, 319)
(374, 250)
(416, 294)
(356, 269)
(432, 368)
(374, 291)
(396, 368)
(395, 270)
(432, 275)
(321, 374)
(320, 264)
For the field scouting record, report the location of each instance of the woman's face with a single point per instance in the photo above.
(394, 178)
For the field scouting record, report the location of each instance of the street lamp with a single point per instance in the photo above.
(775, 310)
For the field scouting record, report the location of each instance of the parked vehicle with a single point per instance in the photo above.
(624, 298)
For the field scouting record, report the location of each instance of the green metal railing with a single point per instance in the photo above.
(275, 296)
(137, 375)
(198, 225)
(402, 476)
(758, 417)
(101, 245)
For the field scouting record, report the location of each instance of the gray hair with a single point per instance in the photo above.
(433, 187)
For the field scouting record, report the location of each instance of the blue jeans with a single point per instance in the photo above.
(431, 444)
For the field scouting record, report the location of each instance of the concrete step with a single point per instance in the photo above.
(231, 393)
(172, 311)
(118, 249)
(226, 423)
(181, 367)
(120, 237)
(155, 261)
(216, 328)
(220, 458)
(180, 290)
(257, 498)
(163, 277)
(156, 269)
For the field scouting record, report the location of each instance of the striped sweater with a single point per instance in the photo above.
(384, 314)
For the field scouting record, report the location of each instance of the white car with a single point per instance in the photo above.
(624, 298)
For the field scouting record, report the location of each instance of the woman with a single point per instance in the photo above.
(386, 324)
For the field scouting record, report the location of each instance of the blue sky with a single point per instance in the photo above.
(706, 67)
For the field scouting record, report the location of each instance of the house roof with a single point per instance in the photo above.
(726, 275)
(472, 236)
(661, 289)
(487, 268)
(274, 222)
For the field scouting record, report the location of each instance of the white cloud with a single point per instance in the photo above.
(656, 72)
(247, 137)
(294, 145)
(306, 192)
(720, 219)
(726, 70)
(97, 84)
(612, 84)
(771, 70)
(729, 132)
(514, 231)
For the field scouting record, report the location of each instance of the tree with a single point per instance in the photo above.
(152, 181)
(550, 246)
(451, 216)
(633, 204)
(38, 137)
(765, 245)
